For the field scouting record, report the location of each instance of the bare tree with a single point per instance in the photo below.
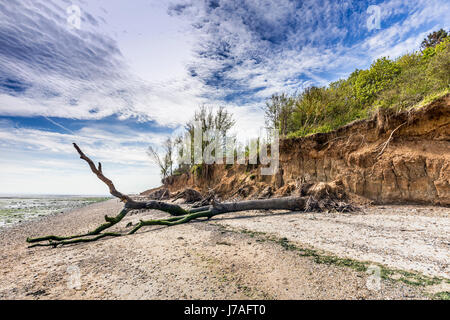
(278, 113)
(169, 144)
(210, 119)
(163, 162)
(223, 121)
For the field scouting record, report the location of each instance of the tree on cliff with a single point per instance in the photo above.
(210, 120)
(277, 113)
(434, 38)
(397, 84)
(165, 162)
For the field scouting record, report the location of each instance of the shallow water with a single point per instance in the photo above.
(14, 210)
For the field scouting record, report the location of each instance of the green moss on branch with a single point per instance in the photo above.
(98, 230)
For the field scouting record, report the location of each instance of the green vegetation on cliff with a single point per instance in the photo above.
(408, 81)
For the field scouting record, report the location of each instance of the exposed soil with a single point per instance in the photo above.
(391, 158)
(225, 258)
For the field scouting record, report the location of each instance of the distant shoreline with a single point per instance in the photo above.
(16, 209)
(50, 196)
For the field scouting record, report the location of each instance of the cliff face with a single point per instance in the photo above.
(411, 167)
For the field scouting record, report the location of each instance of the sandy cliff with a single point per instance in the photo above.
(414, 167)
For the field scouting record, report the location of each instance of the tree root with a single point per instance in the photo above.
(384, 145)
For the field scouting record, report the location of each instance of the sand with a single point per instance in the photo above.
(217, 260)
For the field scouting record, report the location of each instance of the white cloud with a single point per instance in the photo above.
(245, 49)
(53, 71)
(27, 160)
(132, 61)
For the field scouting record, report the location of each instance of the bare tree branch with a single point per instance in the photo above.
(163, 163)
(99, 174)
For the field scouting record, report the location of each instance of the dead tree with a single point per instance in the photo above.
(179, 214)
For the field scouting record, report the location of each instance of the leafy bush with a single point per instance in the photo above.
(197, 169)
(370, 82)
(419, 78)
(439, 67)
(410, 85)
(311, 107)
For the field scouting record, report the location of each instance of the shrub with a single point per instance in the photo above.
(370, 82)
(439, 67)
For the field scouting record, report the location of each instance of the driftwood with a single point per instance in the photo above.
(159, 194)
(189, 196)
(179, 214)
(209, 199)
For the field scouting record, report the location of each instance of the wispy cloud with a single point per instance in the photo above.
(118, 144)
(29, 155)
(50, 69)
(243, 51)
(250, 49)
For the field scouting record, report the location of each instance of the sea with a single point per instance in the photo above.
(15, 209)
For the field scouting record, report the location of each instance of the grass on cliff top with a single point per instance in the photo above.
(410, 81)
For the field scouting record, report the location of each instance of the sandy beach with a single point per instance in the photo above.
(250, 255)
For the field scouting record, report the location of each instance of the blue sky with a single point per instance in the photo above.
(135, 71)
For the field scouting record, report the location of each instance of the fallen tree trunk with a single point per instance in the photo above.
(179, 214)
(288, 203)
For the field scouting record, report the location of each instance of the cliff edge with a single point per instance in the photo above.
(401, 157)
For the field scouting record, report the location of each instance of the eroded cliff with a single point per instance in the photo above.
(391, 158)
